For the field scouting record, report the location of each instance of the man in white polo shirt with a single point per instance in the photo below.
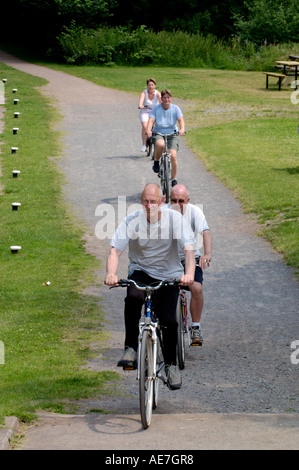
(180, 201)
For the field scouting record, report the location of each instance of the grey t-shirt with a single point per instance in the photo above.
(154, 248)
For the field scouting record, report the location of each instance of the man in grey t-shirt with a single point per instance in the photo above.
(154, 235)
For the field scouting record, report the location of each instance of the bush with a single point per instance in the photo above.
(123, 46)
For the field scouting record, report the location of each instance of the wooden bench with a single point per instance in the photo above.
(280, 77)
(294, 57)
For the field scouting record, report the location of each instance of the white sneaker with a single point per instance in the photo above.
(143, 148)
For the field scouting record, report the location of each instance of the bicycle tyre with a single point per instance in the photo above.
(166, 182)
(146, 379)
(181, 333)
(157, 381)
(150, 148)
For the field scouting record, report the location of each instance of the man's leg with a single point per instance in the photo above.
(132, 312)
(174, 164)
(159, 146)
(173, 145)
(166, 302)
(196, 307)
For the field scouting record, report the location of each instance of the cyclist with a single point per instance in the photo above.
(163, 119)
(179, 200)
(147, 100)
(153, 234)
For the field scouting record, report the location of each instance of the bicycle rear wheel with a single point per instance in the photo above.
(150, 148)
(180, 312)
(146, 380)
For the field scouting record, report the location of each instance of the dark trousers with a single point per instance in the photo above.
(164, 302)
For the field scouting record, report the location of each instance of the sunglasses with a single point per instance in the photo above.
(177, 200)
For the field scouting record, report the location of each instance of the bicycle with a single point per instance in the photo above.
(165, 167)
(183, 327)
(150, 361)
(182, 318)
(149, 147)
(149, 144)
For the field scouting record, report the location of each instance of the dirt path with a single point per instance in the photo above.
(251, 315)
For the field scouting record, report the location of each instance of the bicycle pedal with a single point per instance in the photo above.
(196, 344)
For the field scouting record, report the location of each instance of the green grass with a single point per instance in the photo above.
(245, 134)
(258, 160)
(46, 330)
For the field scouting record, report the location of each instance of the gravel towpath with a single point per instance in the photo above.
(250, 317)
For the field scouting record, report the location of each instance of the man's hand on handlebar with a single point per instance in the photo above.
(186, 280)
(111, 280)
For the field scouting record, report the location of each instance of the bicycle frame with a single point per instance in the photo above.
(165, 167)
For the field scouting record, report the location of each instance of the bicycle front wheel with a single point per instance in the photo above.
(166, 189)
(146, 379)
(159, 362)
(180, 312)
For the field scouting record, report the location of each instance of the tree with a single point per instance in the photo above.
(38, 22)
(270, 20)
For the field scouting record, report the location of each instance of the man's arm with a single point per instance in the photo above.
(181, 125)
(150, 124)
(188, 278)
(111, 278)
(205, 259)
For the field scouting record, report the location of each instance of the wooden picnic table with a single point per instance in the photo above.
(289, 64)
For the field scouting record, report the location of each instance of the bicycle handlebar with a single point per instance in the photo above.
(166, 135)
(127, 282)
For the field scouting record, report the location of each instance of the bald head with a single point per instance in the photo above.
(153, 190)
(151, 199)
(179, 197)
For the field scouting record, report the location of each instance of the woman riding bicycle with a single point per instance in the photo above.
(147, 100)
(163, 119)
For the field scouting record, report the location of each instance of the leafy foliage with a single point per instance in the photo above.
(125, 46)
(269, 20)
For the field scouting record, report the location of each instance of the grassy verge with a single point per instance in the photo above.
(46, 330)
(245, 134)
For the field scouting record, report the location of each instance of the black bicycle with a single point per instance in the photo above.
(149, 143)
(150, 147)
